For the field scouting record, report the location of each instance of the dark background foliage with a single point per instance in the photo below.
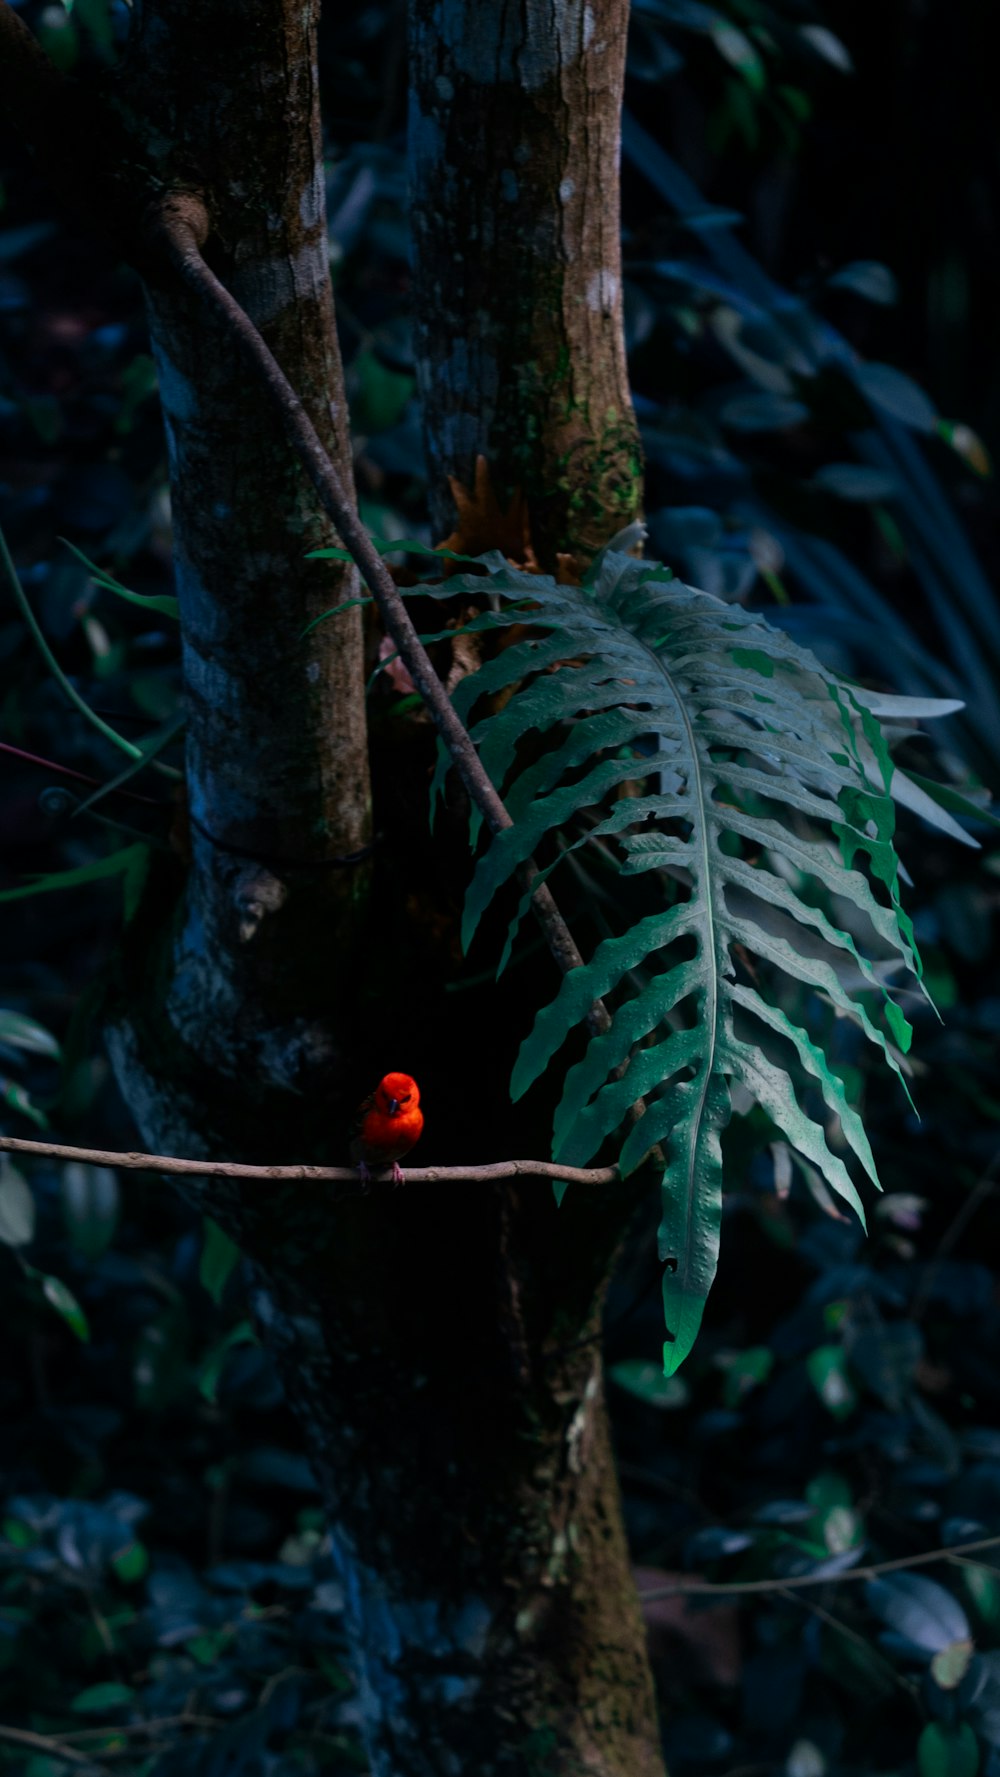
(798, 205)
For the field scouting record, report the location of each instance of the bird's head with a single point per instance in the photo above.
(396, 1094)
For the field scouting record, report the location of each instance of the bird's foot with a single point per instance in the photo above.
(364, 1174)
(397, 1174)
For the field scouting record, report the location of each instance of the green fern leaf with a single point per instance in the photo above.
(760, 783)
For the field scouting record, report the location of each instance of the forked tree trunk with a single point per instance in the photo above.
(439, 1345)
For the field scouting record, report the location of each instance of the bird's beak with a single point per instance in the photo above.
(394, 1107)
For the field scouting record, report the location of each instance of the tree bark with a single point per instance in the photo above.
(514, 152)
(225, 99)
(477, 1530)
(441, 1348)
(438, 1343)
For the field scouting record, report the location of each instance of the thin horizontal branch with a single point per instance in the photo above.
(317, 1175)
(180, 221)
(795, 1582)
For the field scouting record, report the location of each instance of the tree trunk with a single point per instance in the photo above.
(440, 1345)
(224, 98)
(515, 125)
(464, 1457)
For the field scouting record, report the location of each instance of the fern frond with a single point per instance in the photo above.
(760, 782)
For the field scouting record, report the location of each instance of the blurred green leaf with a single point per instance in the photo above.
(951, 1663)
(219, 1255)
(127, 860)
(827, 1490)
(647, 1382)
(983, 1587)
(798, 102)
(95, 16)
(946, 1751)
(925, 1614)
(897, 395)
(23, 1033)
(60, 1297)
(828, 47)
(866, 277)
(206, 1647)
(836, 1525)
(828, 1373)
(736, 48)
(17, 1206)
(380, 394)
(967, 444)
(21, 1535)
(744, 1371)
(131, 1563)
(739, 115)
(90, 1204)
(58, 37)
(17, 1096)
(855, 481)
(97, 1699)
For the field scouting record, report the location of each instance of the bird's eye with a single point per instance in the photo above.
(405, 1098)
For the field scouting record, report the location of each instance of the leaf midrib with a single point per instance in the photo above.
(700, 827)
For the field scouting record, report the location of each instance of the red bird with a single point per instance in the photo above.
(389, 1122)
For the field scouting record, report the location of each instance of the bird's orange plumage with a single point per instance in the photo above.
(389, 1122)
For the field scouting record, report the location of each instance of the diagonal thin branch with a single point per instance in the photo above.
(81, 777)
(57, 1750)
(181, 224)
(492, 1172)
(795, 1582)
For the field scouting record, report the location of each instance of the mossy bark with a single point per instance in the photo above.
(514, 153)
